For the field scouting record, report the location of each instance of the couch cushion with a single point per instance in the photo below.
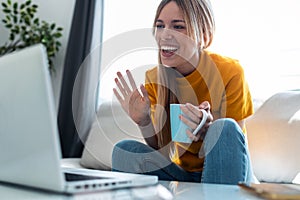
(70, 163)
(274, 138)
(111, 125)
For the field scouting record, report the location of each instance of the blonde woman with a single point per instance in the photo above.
(190, 75)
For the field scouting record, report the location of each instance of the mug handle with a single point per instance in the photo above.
(201, 124)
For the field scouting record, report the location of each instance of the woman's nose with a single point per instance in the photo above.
(166, 34)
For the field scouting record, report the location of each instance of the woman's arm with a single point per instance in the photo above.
(137, 106)
(148, 133)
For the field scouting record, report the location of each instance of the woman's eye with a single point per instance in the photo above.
(179, 27)
(160, 26)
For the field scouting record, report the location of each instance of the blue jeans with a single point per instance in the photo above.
(227, 159)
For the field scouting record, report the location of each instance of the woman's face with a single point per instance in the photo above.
(176, 49)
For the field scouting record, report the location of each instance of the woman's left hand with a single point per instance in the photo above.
(194, 117)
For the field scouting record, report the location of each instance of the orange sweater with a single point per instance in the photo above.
(219, 80)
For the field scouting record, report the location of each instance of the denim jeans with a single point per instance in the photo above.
(227, 159)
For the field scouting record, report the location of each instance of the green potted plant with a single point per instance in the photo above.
(25, 29)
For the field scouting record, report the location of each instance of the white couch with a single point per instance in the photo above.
(273, 136)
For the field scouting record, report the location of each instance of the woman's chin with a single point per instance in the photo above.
(168, 64)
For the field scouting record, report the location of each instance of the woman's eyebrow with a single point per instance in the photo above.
(173, 21)
(178, 20)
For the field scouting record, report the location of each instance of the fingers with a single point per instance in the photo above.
(127, 92)
(193, 116)
(205, 105)
(193, 125)
(120, 99)
(193, 137)
(123, 86)
(131, 80)
(193, 113)
(200, 135)
(145, 94)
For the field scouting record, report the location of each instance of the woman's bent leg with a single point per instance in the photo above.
(227, 158)
(135, 157)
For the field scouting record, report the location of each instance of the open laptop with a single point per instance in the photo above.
(30, 151)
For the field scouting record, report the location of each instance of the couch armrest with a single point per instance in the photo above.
(296, 180)
(273, 135)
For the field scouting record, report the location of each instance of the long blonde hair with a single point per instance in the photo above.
(200, 25)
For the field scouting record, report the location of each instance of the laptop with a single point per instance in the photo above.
(30, 153)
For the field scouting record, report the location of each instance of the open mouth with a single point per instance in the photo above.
(168, 51)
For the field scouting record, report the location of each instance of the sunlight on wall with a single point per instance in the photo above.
(261, 34)
(121, 17)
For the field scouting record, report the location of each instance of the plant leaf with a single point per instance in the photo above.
(28, 3)
(4, 5)
(22, 6)
(12, 37)
(15, 6)
(52, 27)
(57, 35)
(36, 21)
(27, 20)
(7, 11)
(8, 25)
(26, 29)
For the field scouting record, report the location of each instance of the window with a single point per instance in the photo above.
(261, 34)
(125, 18)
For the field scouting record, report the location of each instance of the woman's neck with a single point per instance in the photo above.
(190, 66)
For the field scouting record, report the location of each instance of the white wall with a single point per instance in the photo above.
(61, 13)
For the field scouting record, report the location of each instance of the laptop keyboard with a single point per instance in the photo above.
(79, 177)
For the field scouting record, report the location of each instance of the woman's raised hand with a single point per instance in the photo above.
(136, 104)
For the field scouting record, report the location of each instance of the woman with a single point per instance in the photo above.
(197, 79)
